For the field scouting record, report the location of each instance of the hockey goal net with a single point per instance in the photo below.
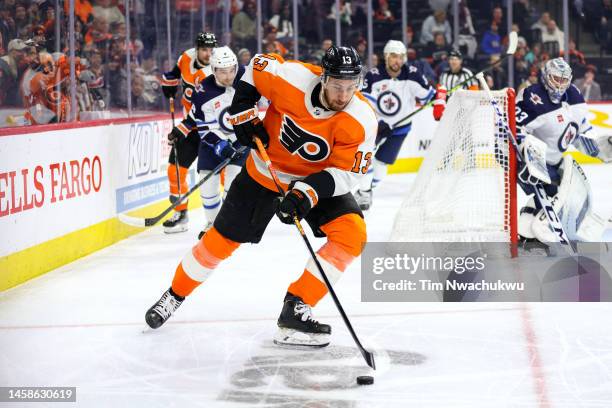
(465, 190)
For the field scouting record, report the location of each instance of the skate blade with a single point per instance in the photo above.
(175, 230)
(293, 339)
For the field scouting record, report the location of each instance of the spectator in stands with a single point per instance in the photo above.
(421, 64)
(521, 66)
(435, 23)
(383, 13)
(497, 73)
(6, 32)
(534, 55)
(491, 41)
(587, 85)
(522, 14)
(439, 4)
(542, 23)
(244, 56)
(345, 13)
(437, 50)
(143, 98)
(11, 66)
(325, 44)
(497, 17)
(98, 35)
(576, 58)
(552, 34)
(271, 44)
(111, 14)
(21, 16)
(410, 41)
(244, 27)
(362, 49)
(283, 22)
(82, 9)
(467, 39)
(531, 80)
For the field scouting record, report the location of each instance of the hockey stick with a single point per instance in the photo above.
(540, 193)
(512, 44)
(367, 355)
(175, 150)
(148, 222)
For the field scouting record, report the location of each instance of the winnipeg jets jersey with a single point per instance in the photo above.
(394, 98)
(557, 124)
(209, 109)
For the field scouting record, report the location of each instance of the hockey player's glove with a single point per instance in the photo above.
(384, 132)
(247, 125)
(533, 170)
(439, 102)
(224, 149)
(298, 201)
(169, 86)
(177, 134)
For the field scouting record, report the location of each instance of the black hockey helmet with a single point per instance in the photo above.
(455, 53)
(206, 40)
(341, 62)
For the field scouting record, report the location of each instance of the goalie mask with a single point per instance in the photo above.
(556, 77)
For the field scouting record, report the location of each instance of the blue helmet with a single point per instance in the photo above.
(556, 77)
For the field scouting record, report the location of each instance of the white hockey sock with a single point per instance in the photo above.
(379, 172)
(211, 197)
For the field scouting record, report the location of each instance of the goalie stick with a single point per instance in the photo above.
(553, 219)
(367, 355)
(148, 222)
(512, 43)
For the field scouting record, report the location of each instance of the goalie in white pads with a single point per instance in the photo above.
(550, 117)
(392, 88)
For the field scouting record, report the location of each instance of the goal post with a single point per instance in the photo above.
(465, 190)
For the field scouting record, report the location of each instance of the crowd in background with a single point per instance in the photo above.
(32, 43)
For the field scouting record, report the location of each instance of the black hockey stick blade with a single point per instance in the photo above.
(149, 222)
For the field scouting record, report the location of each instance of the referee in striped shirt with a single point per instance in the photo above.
(456, 73)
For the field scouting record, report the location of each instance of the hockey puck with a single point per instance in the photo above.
(365, 380)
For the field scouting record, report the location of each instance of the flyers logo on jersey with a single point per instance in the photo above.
(307, 145)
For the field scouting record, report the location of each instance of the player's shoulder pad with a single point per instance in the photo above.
(206, 90)
(413, 73)
(574, 96)
(534, 99)
(361, 111)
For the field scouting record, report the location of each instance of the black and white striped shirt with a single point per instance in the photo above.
(450, 80)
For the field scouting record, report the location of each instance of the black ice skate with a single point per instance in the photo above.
(163, 309)
(296, 327)
(179, 222)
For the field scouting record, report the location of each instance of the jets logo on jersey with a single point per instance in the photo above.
(535, 99)
(307, 145)
(389, 103)
(224, 120)
(567, 137)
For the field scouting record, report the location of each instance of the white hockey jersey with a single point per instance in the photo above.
(558, 125)
(209, 110)
(395, 98)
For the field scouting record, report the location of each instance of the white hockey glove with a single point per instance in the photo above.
(605, 148)
(533, 169)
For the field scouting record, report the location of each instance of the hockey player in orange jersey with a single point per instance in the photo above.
(192, 67)
(320, 133)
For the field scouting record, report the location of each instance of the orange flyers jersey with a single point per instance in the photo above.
(305, 139)
(190, 75)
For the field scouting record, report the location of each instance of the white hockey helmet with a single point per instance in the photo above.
(223, 57)
(395, 47)
(556, 77)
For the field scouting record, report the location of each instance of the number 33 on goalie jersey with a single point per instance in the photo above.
(556, 124)
(305, 138)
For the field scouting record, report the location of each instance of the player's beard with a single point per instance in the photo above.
(395, 68)
(335, 105)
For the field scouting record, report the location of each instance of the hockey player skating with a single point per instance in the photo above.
(209, 115)
(550, 117)
(393, 89)
(320, 133)
(192, 67)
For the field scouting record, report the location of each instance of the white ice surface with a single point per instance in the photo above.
(81, 325)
